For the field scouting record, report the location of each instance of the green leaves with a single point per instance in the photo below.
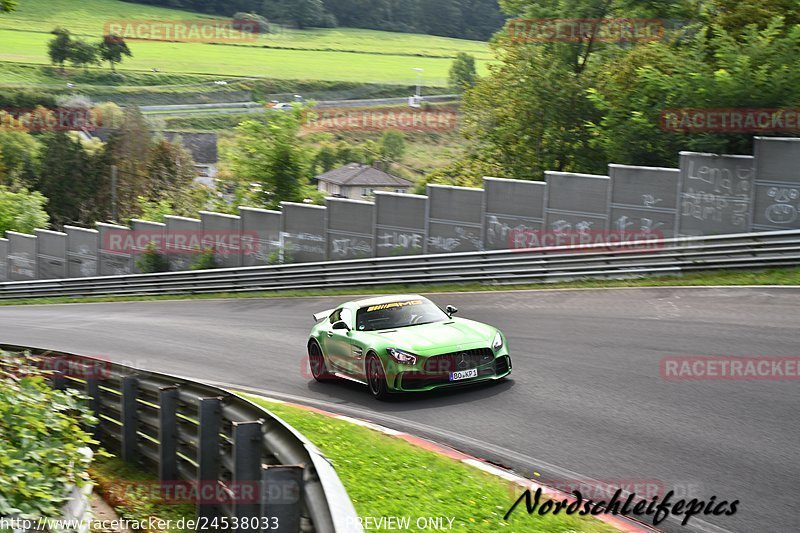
(21, 210)
(42, 441)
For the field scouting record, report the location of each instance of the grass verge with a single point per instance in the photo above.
(776, 276)
(388, 477)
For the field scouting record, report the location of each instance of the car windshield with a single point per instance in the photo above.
(398, 314)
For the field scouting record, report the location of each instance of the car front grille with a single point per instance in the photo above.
(461, 360)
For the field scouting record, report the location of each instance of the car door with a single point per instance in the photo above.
(342, 352)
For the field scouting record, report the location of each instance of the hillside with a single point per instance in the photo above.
(340, 54)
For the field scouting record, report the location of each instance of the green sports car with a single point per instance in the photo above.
(404, 343)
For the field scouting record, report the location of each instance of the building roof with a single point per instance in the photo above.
(356, 174)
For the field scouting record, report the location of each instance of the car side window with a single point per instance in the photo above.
(347, 316)
(335, 316)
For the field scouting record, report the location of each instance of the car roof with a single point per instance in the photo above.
(386, 299)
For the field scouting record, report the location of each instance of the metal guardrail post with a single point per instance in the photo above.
(247, 439)
(281, 488)
(321, 499)
(92, 391)
(130, 418)
(59, 381)
(168, 434)
(209, 416)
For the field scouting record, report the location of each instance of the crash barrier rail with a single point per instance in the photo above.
(247, 466)
(255, 106)
(503, 267)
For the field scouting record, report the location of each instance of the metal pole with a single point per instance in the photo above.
(114, 193)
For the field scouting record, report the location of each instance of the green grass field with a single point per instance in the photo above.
(340, 54)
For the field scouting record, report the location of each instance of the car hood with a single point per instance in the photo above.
(439, 337)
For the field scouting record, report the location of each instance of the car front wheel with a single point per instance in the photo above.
(319, 370)
(376, 378)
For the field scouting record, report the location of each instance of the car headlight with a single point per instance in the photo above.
(404, 358)
(497, 343)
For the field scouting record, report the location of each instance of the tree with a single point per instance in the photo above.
(326, 158)
(393, 145)
(112, 48)
(75, 182)
(60, 47)
(22, 210)
(19, 155)
(305, 13)
(751, 68)
(7, 6)
(129, 149)
(531, 113)
(185, 202)
(734, 16)
(271, 154)
(462, 72)
(169, 167)
(83, 54)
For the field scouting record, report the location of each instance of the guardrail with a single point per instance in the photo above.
(504, 267)
(219, 443)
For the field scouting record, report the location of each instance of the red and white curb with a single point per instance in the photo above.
(621, 524)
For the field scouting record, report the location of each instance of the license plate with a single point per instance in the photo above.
(464, 374)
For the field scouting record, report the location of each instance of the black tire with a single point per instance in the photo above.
(376, 378)
(319, 370)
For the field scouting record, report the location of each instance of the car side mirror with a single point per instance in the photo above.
(451, 310)
(341, 325)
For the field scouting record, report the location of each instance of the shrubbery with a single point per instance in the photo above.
(205, 260)
(43, 442)
(152, 260)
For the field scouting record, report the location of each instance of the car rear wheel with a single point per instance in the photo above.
(376, 378)
(319, 370)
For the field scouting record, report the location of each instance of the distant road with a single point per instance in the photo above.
(255, 107)
(585, 399)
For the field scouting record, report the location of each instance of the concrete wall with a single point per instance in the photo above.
(21, 256)
(715, 194)
(576, 202)
(145, 233)
(513, 212)
(114, 250)
(708, 195)
(51, 254)
(303, 232)
(3, 259)
(82, 257)
(349, 228)
(184, 241)
(262, 228)
(223, 233)
(399, 224)
(643, 201)
(776, 202)
(454, 219)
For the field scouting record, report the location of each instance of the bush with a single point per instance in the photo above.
(25, 99)
(22, 210)
(206, 260)
(152, 260)
(42, 442)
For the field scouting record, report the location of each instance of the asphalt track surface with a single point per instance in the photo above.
(585, 399)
